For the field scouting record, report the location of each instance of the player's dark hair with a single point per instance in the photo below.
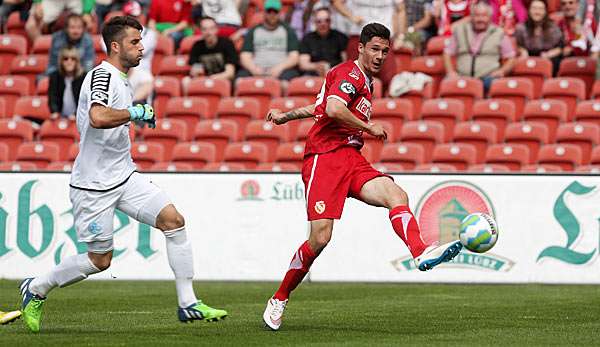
(114, 29)
(201, 18)
(372, 30)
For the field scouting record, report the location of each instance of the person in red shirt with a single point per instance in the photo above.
(171, 18)
(334, 168)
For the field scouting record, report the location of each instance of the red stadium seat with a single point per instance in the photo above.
(13, 133)
(307, 87)
(278, 167)
(18, 166)
(425, 133)
(567, 156)
(15, 26)
(62, 132)
(290, 152)
(445, 111)
(377, 88)
(435, 168)
(304, 127)
(512, 156)
(196, 154)
(29, 66)
(595, 156)
(73, 151)
(583, 68)
(584, 135)
(432, 66)
(390, 167)
(542, 168)
(567, 89)
(460, 155)
(250, 154)
(260, 89)
(41, 153)
(212, 90)
(147, 154)
(478, 134)
(168, 133)
(188, 109)
(436, 45)
(3, 113)
(416, 98)
(402, 57)
(595, 90)
(393, 111)
(496, 111)
(376, 144)
(549, 112)
(65, 166)
(536, 69)
(223, 167)
(240, 110)
(589, 169)
(34, 108)
(517, 90)
(42, 86)
(185, 46)
(10, 47)
(165, 88)
(406, 154)
(42, 44)
(174, 66)
(165, 47)
(268, 134)
(465, 89)
(11, 89)
(531, 134)
(286, 104)
(167, 166)
(219, 132)
(4, 152)
(488, 168)
(588, 111)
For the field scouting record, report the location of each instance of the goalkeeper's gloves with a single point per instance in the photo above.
(142, 113)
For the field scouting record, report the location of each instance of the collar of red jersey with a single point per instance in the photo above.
(364, 74)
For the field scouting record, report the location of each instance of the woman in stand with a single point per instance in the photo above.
(65, 84)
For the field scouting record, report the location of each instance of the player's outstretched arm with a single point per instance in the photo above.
(278, 117)
(337, 110)
(103, 117)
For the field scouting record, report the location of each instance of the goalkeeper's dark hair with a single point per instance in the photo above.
(372, 30)
(114, 29)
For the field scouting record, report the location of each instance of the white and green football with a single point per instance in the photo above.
(478, 232)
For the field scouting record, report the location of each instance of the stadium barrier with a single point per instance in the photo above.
(247, 226)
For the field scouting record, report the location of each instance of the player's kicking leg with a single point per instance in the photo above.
(9, 317)
(320, 234)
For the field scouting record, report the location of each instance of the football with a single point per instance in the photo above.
(478, 232)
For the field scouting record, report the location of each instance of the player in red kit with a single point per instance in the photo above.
(334, 168)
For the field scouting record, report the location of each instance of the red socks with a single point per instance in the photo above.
(405, 225)
(299, 266)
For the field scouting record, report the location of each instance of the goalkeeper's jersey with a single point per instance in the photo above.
(104, 160)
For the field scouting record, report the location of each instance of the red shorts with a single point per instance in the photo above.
(331, 177)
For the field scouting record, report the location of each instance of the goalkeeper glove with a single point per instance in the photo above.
(143, 113)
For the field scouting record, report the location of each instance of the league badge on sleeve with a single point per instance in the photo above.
(347, 87)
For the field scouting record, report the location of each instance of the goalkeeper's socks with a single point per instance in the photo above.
(179, 252)
(405, 225)
(301, 262)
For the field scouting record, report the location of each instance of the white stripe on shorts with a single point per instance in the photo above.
(312, 175)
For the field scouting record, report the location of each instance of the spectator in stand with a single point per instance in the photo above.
(578, 34)
(323, 48)
(45, 12)
(10, 6)
(451, 13)
(171, 18)
(299, 16)
(213, 56)
(539, 36)
(420, 19)
(225, 13)
(479, 47)
(73, 34)
(65, 84)
(271, 48)
(507, 14)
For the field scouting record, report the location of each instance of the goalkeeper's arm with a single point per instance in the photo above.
(103, 117)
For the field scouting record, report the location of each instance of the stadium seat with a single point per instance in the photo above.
(185, 46)
(583, 68)
(174, 66)
(435, 168)
(14, 25)
(390, 167)
(584, 135)
(168, 133)
(595, 90)
(377, 91)
(73, 151)
(268, 134)
(11, 89)
(432, 66)
(240, 110)
(595, 156)
(513, 155)
(290, 152)
(13, 133)
(167, 166)
(306, 87)
(165, 47)
(65, 166)
(146, 154)
(549, 112)
(196, 154)
(10, 47)
(188, 109)
(465, 89)
(488, 168)
(42, 86)
(4, 152)
(286, 104)
(260, 89)
(402, 58)
(478, 134)
(18, 166)
(406, 154)
(376, 144)
(3, 113)
(588, 169)
(436, 45)
(567, 89)
(304, 127)
(212, 90)
(224, 167)
(62, 132)
(567, 156)
(536, 69)
(496, 111)
(42, 45)
(40, 153)
(393, 111)
(29, 66)
(531, 134)
(425, 133)
(445, 111)
(588, 111)
(542, 168)
(219, 132)
(278, 167)
(517, 90)
(249, 154)
(34, 108)
(460, 155)
(165, 88)
(416, 98)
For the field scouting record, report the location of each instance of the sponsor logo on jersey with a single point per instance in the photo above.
(320, 207)
(99, 86)
(347, 87)
(364, 107)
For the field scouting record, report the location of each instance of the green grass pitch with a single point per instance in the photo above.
(126, 313)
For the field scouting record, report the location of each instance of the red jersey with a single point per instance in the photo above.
(347, 83)
(170, 11)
